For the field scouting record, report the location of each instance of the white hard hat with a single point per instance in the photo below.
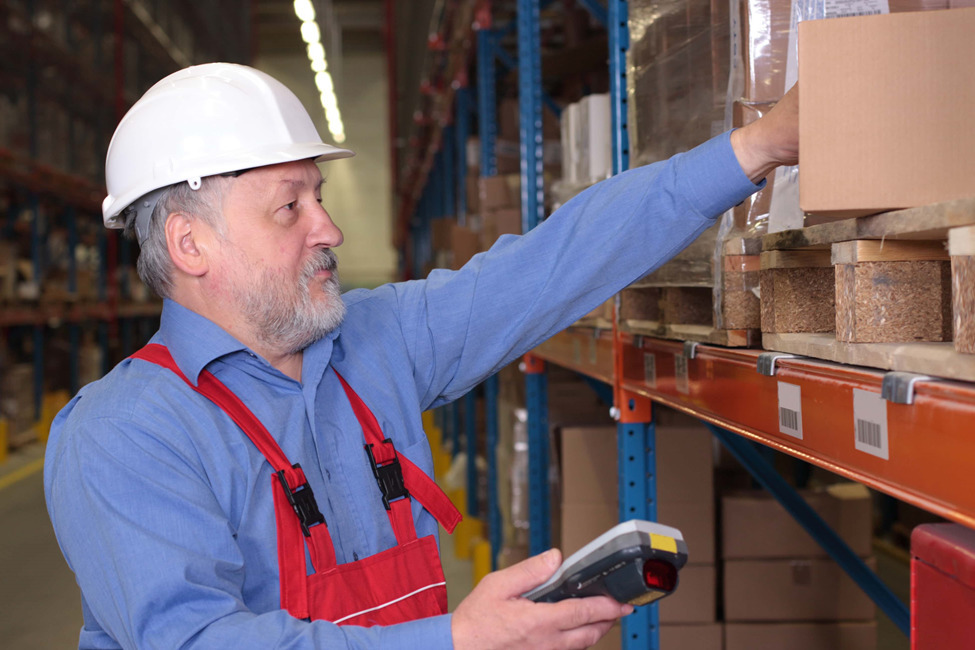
(204, 120)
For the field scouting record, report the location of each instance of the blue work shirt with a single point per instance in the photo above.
(162, 506)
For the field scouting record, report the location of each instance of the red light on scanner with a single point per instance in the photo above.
(661, 575)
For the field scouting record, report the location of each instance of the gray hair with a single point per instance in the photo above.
(155, 266)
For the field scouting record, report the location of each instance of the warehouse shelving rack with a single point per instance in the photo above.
(924, 423)
(87, 44)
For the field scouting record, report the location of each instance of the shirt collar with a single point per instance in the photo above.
(195, 341)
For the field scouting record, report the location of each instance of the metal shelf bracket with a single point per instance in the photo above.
(767, 361)
(898, 387)
(690, 349)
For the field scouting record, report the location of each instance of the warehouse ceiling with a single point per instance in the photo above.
(350, 26)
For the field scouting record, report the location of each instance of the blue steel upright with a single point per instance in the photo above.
(636, 448)
(530, 114)
(619, 43)
(462, 128)
(487, 134)
(470, 429)
(536, 403)
(532, 205)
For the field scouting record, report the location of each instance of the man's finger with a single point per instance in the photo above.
(527, 574)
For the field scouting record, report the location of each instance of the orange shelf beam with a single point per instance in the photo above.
(930, 443)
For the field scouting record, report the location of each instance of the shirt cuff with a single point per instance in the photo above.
(712, 179)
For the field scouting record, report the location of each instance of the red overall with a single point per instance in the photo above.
(403, 583)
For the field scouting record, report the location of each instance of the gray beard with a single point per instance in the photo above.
(288, 320)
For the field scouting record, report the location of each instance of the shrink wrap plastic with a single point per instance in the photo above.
(677, 75)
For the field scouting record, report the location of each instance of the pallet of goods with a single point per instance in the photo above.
(891, 290)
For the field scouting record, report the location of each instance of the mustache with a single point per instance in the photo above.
(324, 260)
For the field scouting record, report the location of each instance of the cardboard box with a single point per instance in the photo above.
(471, 191)
(674, 637)
(465, 244)
(793, 590)
(497, 223)
(869, 144)
(695, 600)
(685, 484)
(495, 193)
(590, 507)
(755, 526)
(441, 233)
(801, 636)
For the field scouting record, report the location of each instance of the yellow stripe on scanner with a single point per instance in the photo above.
(663, 543)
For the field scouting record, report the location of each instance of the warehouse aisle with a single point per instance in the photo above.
(40, 607)
(39, 601)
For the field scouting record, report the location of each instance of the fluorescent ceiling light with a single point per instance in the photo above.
(312, 35)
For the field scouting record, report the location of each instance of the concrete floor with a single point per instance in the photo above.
(40, 604)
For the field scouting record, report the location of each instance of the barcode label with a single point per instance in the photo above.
(650, 369)
(868, 433)
(790, 410)
(870, 423)
(789, 418)
(875, 12)
(681, 380)
(843, 8)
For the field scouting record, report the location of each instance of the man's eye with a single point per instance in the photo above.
(291, 206)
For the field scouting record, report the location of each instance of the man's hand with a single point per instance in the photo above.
(495, 615)
(771, 141)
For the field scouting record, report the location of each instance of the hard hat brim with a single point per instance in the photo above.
(113, 206)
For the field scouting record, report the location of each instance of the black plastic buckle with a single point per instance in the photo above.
(388, 476)
(303, 501)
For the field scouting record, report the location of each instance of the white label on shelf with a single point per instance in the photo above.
(680, 374)
(650, 369)
(593, 351)
(870, 423)
(790, 410)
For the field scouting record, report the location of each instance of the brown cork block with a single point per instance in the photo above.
(797, 292)
(893, 291)
(889, 302)
(740, 306)
(963, 301)
(640, 303)
(961, 247)
(687, 306)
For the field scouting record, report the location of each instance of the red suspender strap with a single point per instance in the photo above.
(293, 497)
(414, 480)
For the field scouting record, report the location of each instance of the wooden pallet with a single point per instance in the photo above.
(935, 359)
(698, 333)
(876, 291)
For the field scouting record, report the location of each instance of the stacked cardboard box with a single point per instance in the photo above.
(905, 144)
(677, 72)
(508, 148)
(780, 588)
(685, 499)
(499, 207)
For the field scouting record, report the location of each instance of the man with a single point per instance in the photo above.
(262, 462)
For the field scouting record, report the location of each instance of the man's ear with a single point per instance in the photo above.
(185, 240)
